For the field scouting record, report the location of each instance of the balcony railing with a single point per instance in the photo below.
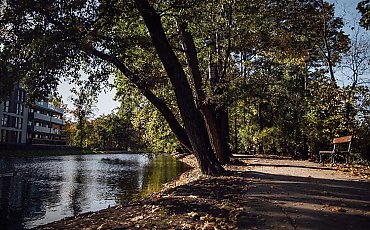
(46, 105)
(41, 129)
(42, 117)
(57, 121)
(46, 130)
(47, 118)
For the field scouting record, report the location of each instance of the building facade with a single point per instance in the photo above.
(39, 124)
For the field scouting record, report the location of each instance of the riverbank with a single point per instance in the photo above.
(256, 193)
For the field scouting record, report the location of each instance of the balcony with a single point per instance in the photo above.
(47, 118)
(57, 131)
(42, 117)
(41, 129)
(48, 106)
(57, 121)
(46, 130)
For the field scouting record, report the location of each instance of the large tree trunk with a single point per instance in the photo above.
(214, 124)
(222, 119)
(218, 132)
(192, 118)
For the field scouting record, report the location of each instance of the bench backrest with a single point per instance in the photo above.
(339, 140)
(342, 140)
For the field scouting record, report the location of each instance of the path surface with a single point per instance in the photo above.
(256, 193)
(303, 195)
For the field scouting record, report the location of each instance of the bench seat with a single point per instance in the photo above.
(338, 149)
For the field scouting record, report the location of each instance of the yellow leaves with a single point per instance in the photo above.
(338, 209)
(194, 215)
(136, 218)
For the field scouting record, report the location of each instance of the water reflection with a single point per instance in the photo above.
(35, 191)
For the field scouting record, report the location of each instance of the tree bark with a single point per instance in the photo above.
(210, 115)
(192, 118)
(222, 118)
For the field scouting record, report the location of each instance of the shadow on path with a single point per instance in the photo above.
(271, 201)
(291, 166)
(311, 203)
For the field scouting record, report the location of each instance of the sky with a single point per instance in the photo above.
(106, 102)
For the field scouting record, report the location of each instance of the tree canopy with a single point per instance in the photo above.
(214, 70)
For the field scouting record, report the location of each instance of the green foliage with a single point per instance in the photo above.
(267, 62)
(146, 120)
(83, 98)
(157, 135)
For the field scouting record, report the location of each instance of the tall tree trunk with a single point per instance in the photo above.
(219, 140)
(192, 118)
(80, 126)
(328, 54)
(235, 134)
(222, 119)
(305, 148)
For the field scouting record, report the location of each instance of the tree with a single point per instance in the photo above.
(188, 48)
(191, 116)
(57, 37)
(83, 99)
(364, 8)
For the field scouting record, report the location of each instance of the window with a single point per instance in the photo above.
(6, 106)
(21, 95)
(4, 135)
(5, 120)
(19, 109)
(18, 123)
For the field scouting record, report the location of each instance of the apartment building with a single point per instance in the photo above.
(14, 115)
(39, 124)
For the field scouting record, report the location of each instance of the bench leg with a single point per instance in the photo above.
(348, 159)
(333, 158)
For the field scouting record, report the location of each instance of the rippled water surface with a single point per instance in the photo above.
(39, 190)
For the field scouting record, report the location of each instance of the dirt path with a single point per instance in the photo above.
(256, 193)
(304, 195)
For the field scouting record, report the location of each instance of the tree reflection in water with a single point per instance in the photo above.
(39, 190)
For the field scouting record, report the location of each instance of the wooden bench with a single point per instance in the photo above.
(342, 146)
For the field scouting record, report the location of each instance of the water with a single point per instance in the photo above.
(40, 190)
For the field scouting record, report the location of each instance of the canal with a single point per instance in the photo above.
(39, 190)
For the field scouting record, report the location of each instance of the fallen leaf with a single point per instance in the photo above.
(137, 218)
